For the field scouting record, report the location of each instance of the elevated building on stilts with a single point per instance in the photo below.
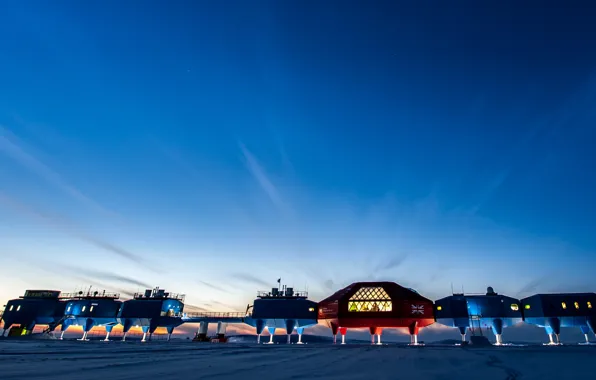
(90, 309)
(376, 305)
(152, 309)
(284, 308)
(475, 312)
(36, 307)
(553, 311)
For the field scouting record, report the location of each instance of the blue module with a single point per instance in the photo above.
(36, 307)
(476, 311)
(284, 308)
(90, 310)
(553, 311)
(152, 309)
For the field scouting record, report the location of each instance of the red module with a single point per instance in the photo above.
(376, 305)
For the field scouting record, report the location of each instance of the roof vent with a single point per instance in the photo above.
(490, 291)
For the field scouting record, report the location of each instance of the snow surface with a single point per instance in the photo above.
(115, 360)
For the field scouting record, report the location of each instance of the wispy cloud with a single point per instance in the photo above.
(393, 263)
(11, 147)
(257, 171)
(69, 228)
(214, 287)
(103, 275)
(252, 279)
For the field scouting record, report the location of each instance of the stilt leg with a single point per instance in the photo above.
(300, 331)
(258, 338)
(379, 339)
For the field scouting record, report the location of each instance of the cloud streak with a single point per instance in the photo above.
(69, 228)
(214, 287)
(107, 276)
(14, 150)
(251, 279)
(257, 171)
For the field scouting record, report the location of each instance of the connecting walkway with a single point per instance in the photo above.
(216, 316)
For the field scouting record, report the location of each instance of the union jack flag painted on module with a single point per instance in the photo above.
(417, 309)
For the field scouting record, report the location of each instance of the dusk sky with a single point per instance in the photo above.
(211, 147)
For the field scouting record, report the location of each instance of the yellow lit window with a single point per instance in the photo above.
(18, 307)
(589, 305)
(514, 307)
(11, 306)
(527, 307)
(576, 304)
(372, 299)
(439, 308)
(84, 307)
(563, 305)
(311, 309)
(91, 309)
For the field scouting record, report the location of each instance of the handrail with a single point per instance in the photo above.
(214, 314)
(281, 294)
(175, 296)
(90, 295)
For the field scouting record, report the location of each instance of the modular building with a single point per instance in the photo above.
(376, 305)
(152, 309)
(36, 307)
(490, 310)
(282, 308)
(553, 311)
(92, 309)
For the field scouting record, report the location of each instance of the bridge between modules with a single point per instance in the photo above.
(372, 305)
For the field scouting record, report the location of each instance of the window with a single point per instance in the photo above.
(18, 307)
(563, 305)
(91, 309)
(514, 307)
(372, 299)
(589, 305)
(68, 308)
(84, 307)
(439, 308)
(311, 309)
(576, 304)
(527, 307)
(11, 306)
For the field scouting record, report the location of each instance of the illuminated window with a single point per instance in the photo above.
(514, 307)
(527, 307)
(563, 305)
(576, 304)
(18, 307)
(370, 299)
(11, 306)
(439, 308)
(68, 308)
(311, 309)
(84, 307)
(589, 305)
(91, 309)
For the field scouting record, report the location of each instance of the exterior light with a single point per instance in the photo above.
(514, 307)
(527, 307)
(439, 308)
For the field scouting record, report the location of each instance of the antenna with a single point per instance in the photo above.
(452, 289)
(462, 289)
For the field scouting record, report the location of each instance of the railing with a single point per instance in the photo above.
(175, 296)
(281, 294)
(81, 295)
(214, 314)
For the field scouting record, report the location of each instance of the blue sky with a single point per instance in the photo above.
(211, 148)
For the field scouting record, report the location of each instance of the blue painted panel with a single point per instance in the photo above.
(284, 309)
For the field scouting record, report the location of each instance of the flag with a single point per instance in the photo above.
(279, 280)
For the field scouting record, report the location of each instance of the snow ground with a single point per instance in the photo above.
(96, 360)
